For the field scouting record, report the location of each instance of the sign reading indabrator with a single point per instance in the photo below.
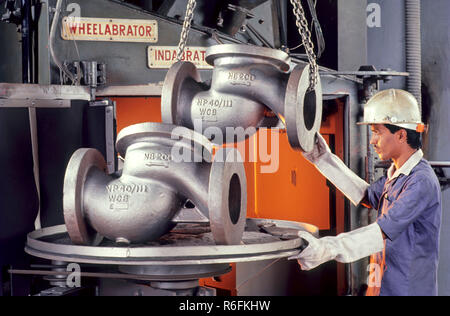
(119, 30)
(165, 56)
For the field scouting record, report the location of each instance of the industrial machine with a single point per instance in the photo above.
(160, 145)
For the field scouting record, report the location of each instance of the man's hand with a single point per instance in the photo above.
(345, 247)
(314, 254)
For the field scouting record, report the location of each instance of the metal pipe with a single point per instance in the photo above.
(28, 78)
(27, 47)
(281, 10)
(259, 36)
(442, 164)
(51, 43)
(413, 50)
(347, 217)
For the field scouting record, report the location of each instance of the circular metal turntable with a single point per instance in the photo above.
(188, 244)
(178, 259)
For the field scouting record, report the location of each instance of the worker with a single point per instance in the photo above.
(404, 240)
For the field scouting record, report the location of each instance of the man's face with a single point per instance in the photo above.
(385, 143)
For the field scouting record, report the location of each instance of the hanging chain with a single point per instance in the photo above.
(302, 24)
(186, 26)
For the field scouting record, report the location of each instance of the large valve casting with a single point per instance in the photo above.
(165, 167)
(247, 84)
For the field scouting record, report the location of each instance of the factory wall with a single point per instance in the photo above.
(386, 38)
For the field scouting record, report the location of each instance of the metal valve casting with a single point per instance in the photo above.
(247, 83)
(168, 177)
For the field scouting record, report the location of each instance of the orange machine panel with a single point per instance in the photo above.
(131, 111)
(283, 185)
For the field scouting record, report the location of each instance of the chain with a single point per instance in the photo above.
(186, 26)
(302, 24)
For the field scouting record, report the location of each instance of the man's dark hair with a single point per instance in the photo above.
(413, 138)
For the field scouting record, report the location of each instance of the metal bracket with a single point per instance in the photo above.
(94, 74)
(233, 19)
(370, 79)
(88, 73)
(104, 102)
(110, 118)
(60, 291)
(147, 90)
(33, 103)
(17, 95)
(14, 91)
(438, 167)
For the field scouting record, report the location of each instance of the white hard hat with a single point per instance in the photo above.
(395, 107)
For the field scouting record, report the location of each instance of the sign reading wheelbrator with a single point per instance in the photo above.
(118, 30)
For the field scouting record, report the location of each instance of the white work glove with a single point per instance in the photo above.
(345, 247)
(335, 170)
